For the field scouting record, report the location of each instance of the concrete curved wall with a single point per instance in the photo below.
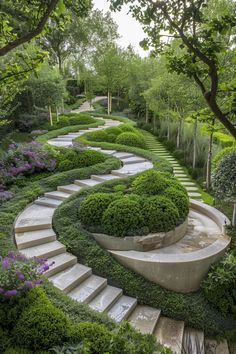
(181, 272)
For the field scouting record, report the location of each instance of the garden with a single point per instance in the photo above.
(115, 166)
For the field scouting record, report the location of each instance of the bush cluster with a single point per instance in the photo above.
(131, 139)
(155, 205)
(71, 119)
(74, 158)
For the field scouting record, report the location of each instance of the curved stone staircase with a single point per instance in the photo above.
(35, 236)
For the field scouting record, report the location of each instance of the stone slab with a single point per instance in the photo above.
(44, 250)
(57, 195)
(33, 238)
(88, 289)
(193, 341)
(70, 188)
(86, 182)
(122, 308)
(144, 318)
(61, 262)
(49, 202)
(170, 333)
(106, 298)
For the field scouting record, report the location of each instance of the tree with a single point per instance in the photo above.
(224, 181)
(203, 36)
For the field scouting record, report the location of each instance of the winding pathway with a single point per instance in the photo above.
(34, 236)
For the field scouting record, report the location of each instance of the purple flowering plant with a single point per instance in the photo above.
(25, 159)
(19, 274)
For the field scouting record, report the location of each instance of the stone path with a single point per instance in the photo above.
(155, 146)
(35, 237)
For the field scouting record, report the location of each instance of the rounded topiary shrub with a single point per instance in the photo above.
(160, 214)
(150, 183)
(127, 128)
(98, 135)
(131, 139)
(114, 131)
(111, 138)
(89, 158)
(123, 217)
(92, 208)
(180, 200)
(174, 183)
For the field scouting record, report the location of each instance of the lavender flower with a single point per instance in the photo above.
(19, 275)
(10, 293)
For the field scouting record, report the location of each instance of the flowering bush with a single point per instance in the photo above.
(24, 159)
(18, 273)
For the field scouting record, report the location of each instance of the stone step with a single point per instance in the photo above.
(88, 289)
(70, 188)
(25, 225)
(123, 155)
(118, 173)
(49, 202)
(214, 347)
(103, 178)
(191, 188)
(109, 152)
(180, 174)
(44, 250)
(61, 262)
(122, 308)
(86, 182)
(106, 298)
(64, 138)
(170, 333)
(57, 195)
(136, 167)
(194, 195)
(187, 183)
(34, 238)
(94, 148)
(144, 318)
(71, 277)
(133, 160)
(193, 342)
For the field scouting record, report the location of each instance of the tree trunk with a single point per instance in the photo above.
(60, 64)
(234, 216)
(178, 134)
(194, 144)
(62, 106)
(50, 115)
(108, 102)
(168, 128)
(57, 115)
(209, 159)
(146, 116)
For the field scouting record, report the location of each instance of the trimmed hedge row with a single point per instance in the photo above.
(192, 308)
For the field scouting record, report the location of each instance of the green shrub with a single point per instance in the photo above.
(160, 214)
(172, 182)
(111, 138)
(88, 158)
(96, 336)
(150, 182)
(123, 217)
(221, 154)
(92, 208)
(65, 165)
(127, 128)
(98, 135)
(114, 131)
(179, 199)
(41, 326)
(131, 139)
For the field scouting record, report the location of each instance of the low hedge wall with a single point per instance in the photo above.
(192, 308)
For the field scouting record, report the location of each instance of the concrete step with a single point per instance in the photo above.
(170, 333)
(133, 160)
(61, 262)
(123, 155)
(193, 342)
(106, 298)
(194, 195)
(103, 178)
(57, 195)
(62, 139)
(49, 202)
(28, 224)
(109, 152)
(70, 188)
(122, 308)
(187, 183)
(191, 189)
(118, 173)
(214, 347)
(86, 182)
(34, 238)
(71, 277)
(144, 318)
(44, 250)
(88, 289)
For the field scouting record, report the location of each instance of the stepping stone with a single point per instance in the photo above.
(109, 152)
(61, 262)
(119, 174)
(86, 182)
(136, 167)
(33, 224)
(60, 143)
(213, 347)
(71, 277)
(194, 194)
(187, 183)
(193, 341)
(34, 238)
(63, 139)
(122, 308)
(123, 155)
(104, 178)
(180, 174)
(49, 202)
(70, 188)
(94, 148)
(191, 189)
(133, 160)
(144, 318)
(57, 195)
(170, 333)
(106, 298)
(88, 289)
(45, 250)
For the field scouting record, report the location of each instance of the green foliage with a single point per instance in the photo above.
(179, 199)
(221, 154)
(99, 135)
(115, 130)
(127, 128)
(123, 217)
(131, 139)
(65, 165)
(92, 208)
(89, 158)
(150, 183)
(160, 214)
(220, 284)
(71, 119)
